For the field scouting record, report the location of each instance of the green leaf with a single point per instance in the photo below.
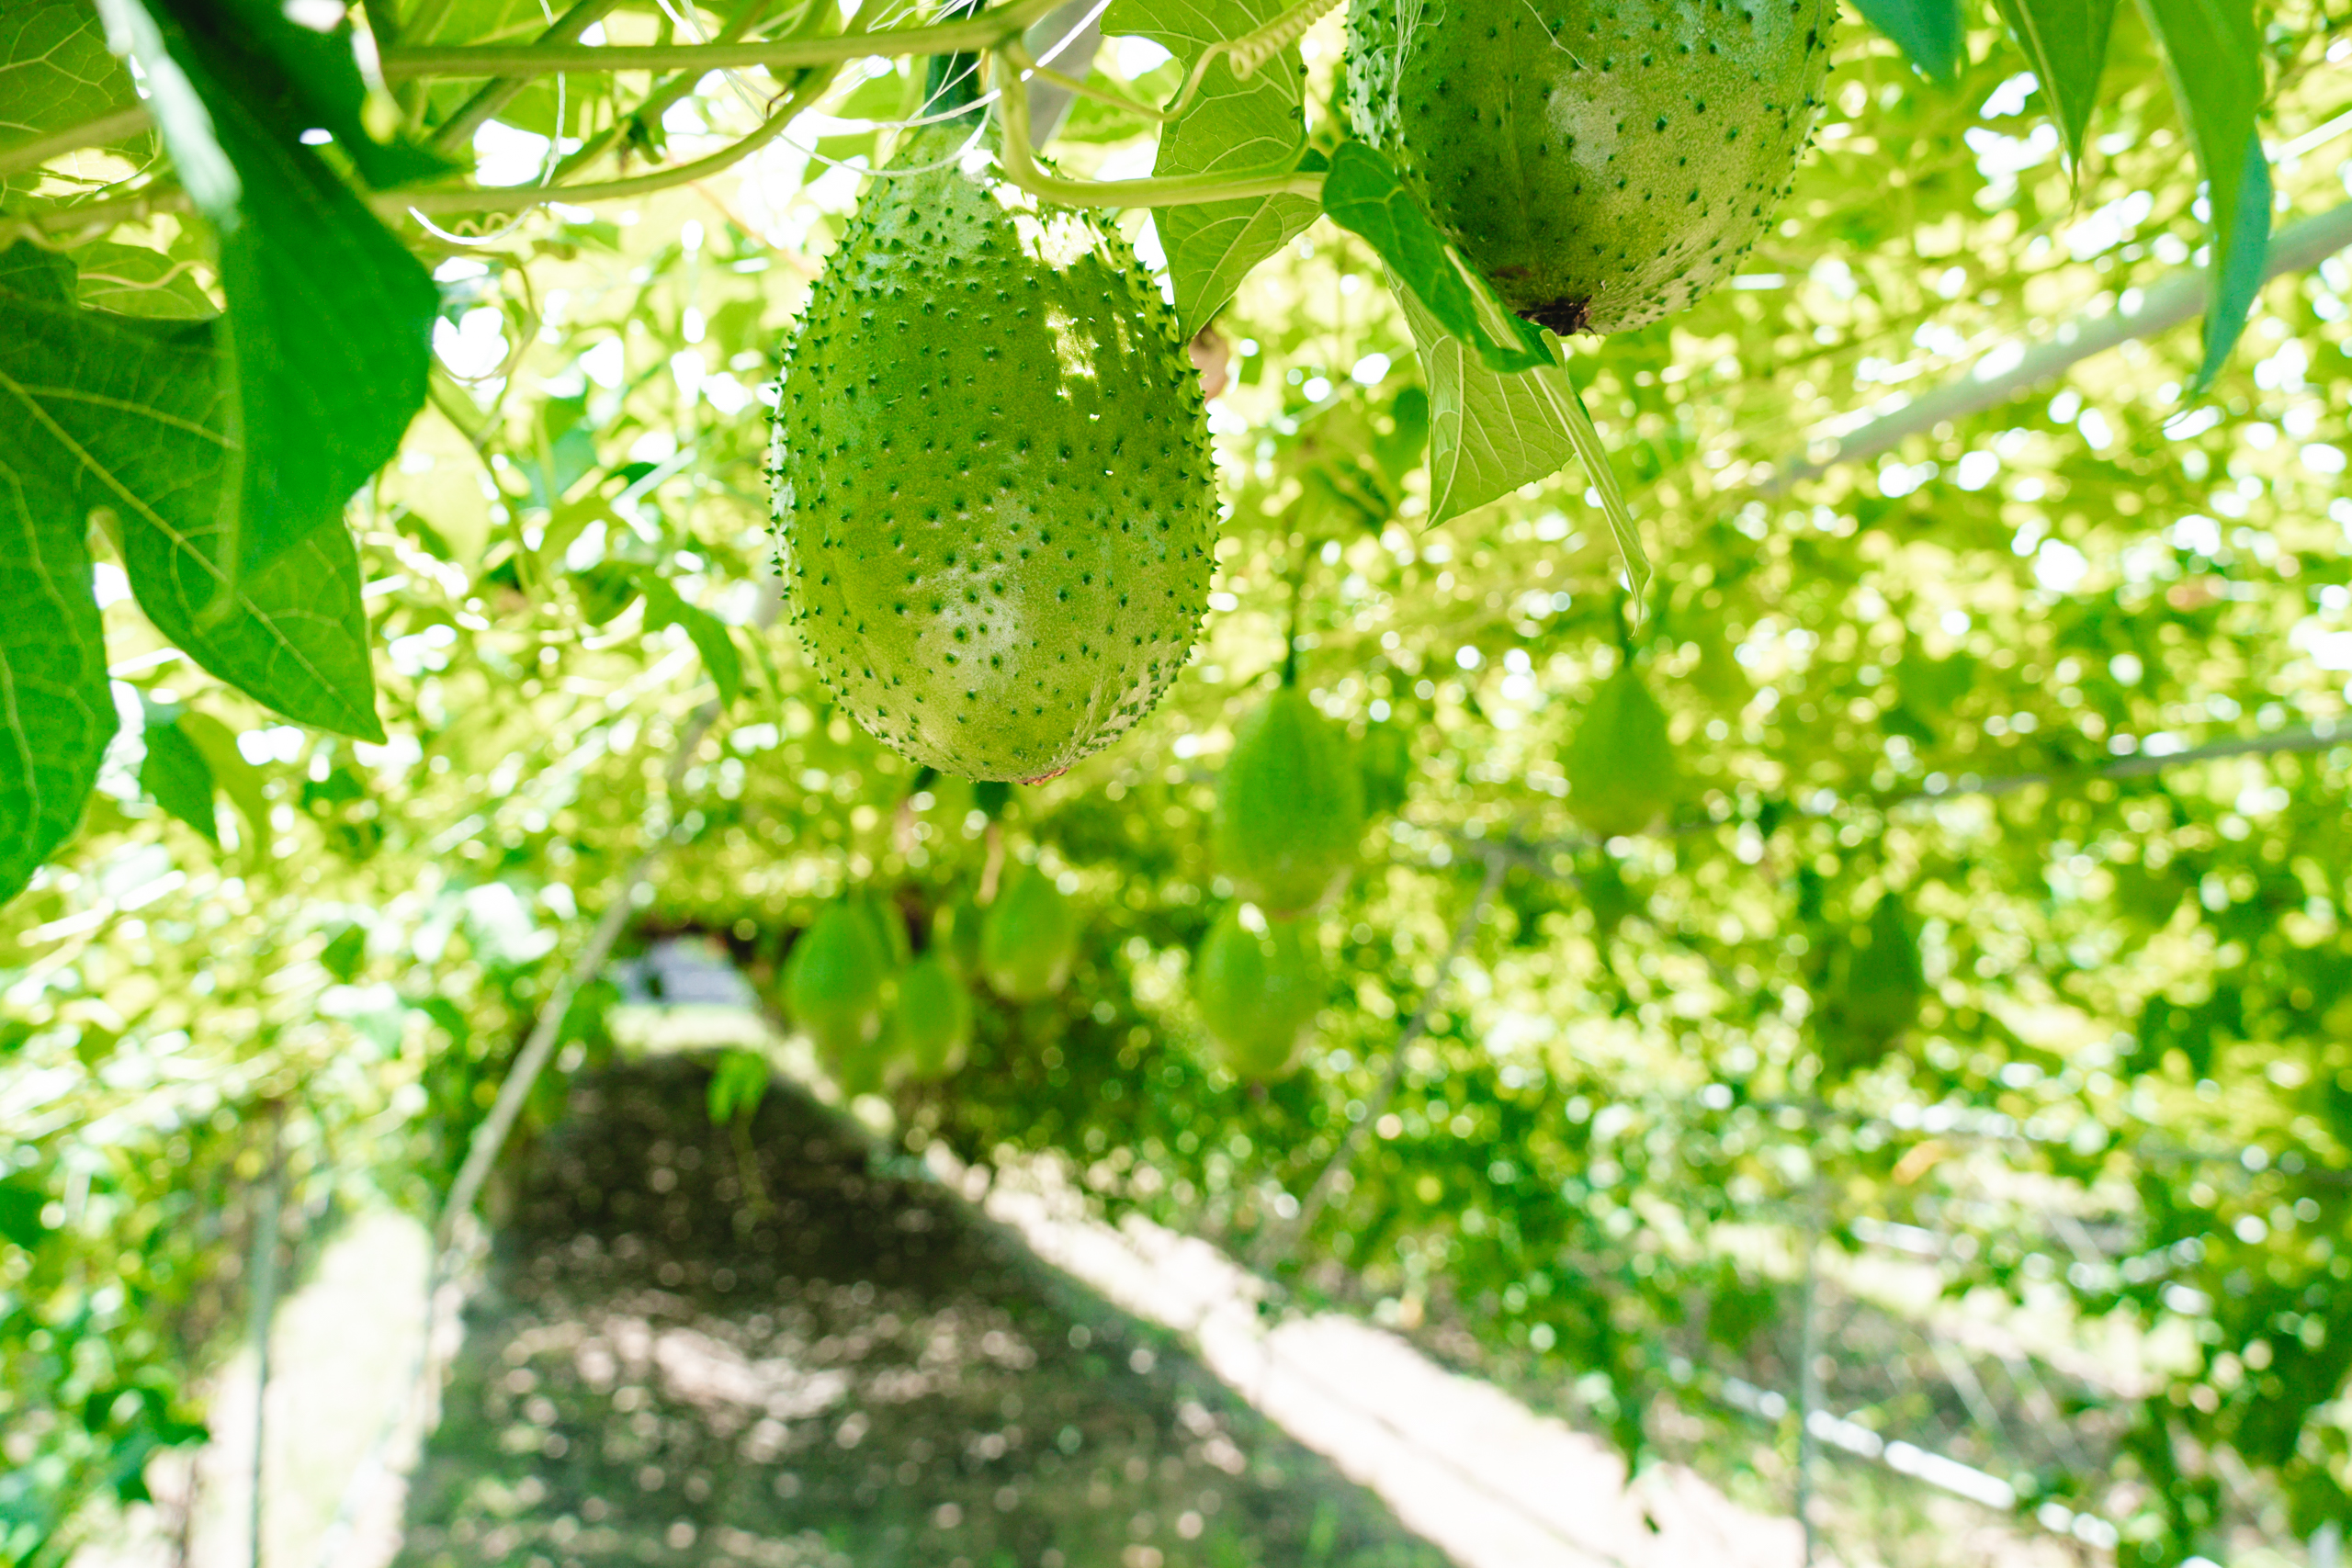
(297, 77)
(738, 1085)
(176, 776)
(20, 1206)
(133, 280)
(55, 73)
(297, 637)
(240, 780)
(56, 714)
(326, 339)
(128, 415)
(720, 658)
(2067, 41)
(1230, 125)
(1932, 33)
(1363, 196)
(1490, 434)
(2213, 56)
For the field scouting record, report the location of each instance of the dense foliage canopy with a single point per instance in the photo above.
(386, 534)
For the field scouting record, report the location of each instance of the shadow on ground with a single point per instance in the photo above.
(700, 1346)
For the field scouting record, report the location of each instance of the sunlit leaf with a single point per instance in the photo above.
(1932, 34)
(2066, 40)
(325, 343)
(1231, 125)
(2213, 55)
(55, 74)
(1490, 434)
(176, 777)
(56, 715)
(126, 416)
(1363, 196)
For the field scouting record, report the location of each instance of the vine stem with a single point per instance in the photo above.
(459, 128)
(516, 198)
(1021, 170)
(1809, 1383)
(987, 31)
(1280, 1240)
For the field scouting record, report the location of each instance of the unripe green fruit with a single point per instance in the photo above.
(993, 491)
(955, 936)
(1621, 762)
(1030, 938)
(931, 1018)
(1290, 807)
(1877, 987)
(1604, 163)
(1386, 762)
(1258, 983)
(833, 985)
(890, 925)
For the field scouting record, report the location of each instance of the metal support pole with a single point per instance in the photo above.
(1808, 1391)
(269, 1202)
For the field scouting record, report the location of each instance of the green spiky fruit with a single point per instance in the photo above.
(1290, 807)
(1029, 938)
(1603, 163)
(833, 985)
(931, 1019)
(1620, 765)
(1877, 987)
(994, 494)
(1258, 983)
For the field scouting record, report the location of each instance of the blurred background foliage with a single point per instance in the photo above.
(2121, 1130)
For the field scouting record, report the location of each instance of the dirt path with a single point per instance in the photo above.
(681, 1357)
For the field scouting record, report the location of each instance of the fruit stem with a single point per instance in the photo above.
(1290, 638)
(1012, 61)
(951, 82)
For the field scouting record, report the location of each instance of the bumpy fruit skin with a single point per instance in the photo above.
(1290, 807)
(1029, 938)
(833, 986)
(931, 1018)
(1604, 163)
(1258, 983)
(994, 501)
(1621, 769)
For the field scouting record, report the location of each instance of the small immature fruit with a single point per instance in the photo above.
(994, 494)
(1029, 938)
(890, 925)
(1604, 163)
(1385, 759)
(1258, 983)
(955, 937)
(834, 983)
(931, 1018)
(1620, 763)
(1290, 807)
(1876, 989)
